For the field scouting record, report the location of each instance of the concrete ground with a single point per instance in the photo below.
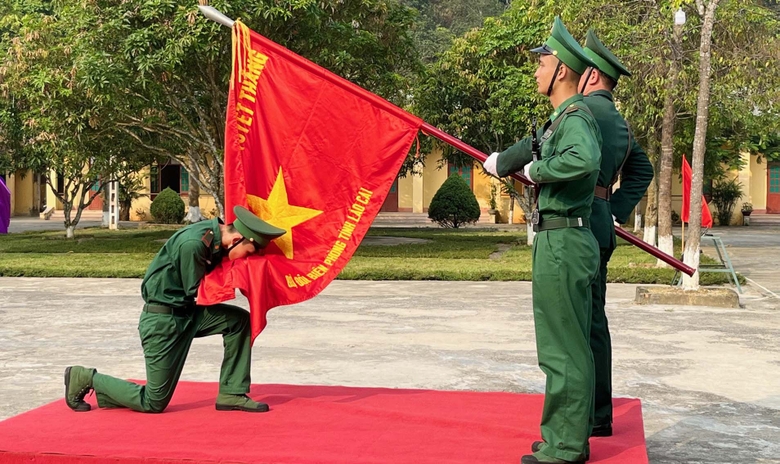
(708, 377)
(29, 224)
(754, 252)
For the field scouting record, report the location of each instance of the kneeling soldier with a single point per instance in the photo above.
(171, 319)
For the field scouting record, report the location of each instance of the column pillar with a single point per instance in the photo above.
(417, 192)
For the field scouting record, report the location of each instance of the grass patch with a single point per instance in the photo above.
(446, 255)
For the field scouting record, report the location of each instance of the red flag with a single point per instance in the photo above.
(706, 217)
(308, 152)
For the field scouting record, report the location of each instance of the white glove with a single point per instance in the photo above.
(527, 170)
(615, 221)
(490, 164)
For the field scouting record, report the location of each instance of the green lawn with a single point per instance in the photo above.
(447, 255)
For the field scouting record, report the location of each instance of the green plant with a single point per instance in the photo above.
(454, 204)
(725, 195)
(675, 217)
(128, 191)
(493, 194)
(747, 208)
(168, 207)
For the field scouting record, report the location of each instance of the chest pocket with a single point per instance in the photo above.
(551, 126)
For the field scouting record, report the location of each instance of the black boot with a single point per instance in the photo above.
(78, 382)
(602, 430)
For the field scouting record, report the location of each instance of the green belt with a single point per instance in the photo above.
(162, 309)
(561, 223)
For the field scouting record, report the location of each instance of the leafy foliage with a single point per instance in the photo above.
(167, 207)
(725, 195)
(54, 122)
(454, 204)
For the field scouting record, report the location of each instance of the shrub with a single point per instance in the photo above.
(725, 195)
(168, 207)
(454, 204)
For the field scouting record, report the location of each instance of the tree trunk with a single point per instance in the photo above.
(527, 205)
(651, 209)
(194, 215)
(665, 237)
(69, 231)
(511, 215)
(651, 212)
(106, 206)
(693, 244)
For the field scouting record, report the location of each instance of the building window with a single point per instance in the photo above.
(60, 184)
(774, 179)
(463, 171)
(171, 176)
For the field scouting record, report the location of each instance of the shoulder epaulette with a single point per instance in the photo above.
(208, 238)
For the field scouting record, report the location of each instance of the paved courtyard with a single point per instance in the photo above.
(708, 377)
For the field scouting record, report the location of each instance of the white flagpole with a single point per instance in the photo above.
(215, 15)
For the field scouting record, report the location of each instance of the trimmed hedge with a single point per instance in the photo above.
(168, 207)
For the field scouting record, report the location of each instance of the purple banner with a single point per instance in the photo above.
(5, 207)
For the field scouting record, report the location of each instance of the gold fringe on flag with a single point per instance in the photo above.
(241, 47)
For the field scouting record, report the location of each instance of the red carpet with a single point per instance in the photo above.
(307, 424)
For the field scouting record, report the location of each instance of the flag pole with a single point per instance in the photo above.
(479, 156)
(215, 15)
(683, 237)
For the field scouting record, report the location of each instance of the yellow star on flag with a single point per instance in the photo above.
(278, 211)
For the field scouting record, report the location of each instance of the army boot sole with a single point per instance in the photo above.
(81, 406)
(229, 407)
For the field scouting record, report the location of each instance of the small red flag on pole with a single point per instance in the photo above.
(706, 217)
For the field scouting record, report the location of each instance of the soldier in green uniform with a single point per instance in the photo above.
(565, 253)
(171, 319)
(620, 155)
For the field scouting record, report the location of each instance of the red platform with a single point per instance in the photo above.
(307, 424)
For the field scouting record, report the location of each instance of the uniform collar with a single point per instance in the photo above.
(602, 93)
(558, 111)
(216, 245)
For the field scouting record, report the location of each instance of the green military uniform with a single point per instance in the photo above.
(171, 318)
(565, 258)
(618, 149)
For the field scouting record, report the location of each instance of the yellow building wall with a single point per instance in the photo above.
(481, 184)
(406, 193)
(758, 187)
(23, 193)
(139, 211)
(433, 177)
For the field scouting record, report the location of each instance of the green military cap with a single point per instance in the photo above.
(253, 228)
(605, 60)
(565, 48)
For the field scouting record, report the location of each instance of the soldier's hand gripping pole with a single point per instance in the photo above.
(481, 157)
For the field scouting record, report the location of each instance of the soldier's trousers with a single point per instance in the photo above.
(166, 340)
(601, 345)
(565, 263)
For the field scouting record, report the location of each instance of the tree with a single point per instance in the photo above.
(441, 21)
(65, 133)
(454, 204)
(706, 9)
(482, 90)
(173, 65)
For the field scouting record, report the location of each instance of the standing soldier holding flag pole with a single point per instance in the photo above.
(565, 254)
(620, 156)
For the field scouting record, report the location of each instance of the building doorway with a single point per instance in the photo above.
(773, 188)
(391, 201)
